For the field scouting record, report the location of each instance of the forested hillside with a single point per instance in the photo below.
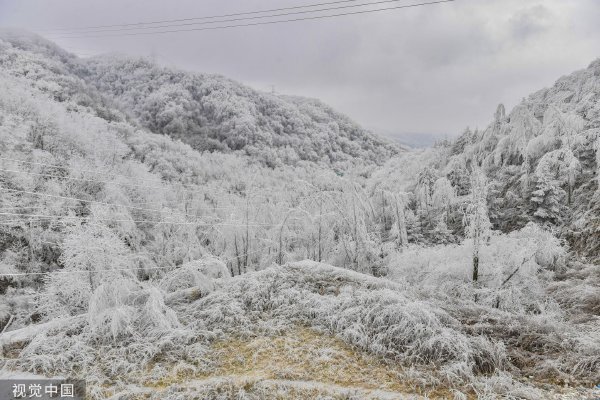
(159, 268)
(214, 113)
(541, 160)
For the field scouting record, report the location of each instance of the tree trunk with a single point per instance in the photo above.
(401, 221)
(237, 254)
(320, 217)
(247, 233)
(356, 248)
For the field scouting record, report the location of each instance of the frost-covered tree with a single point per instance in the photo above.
(555, 170)
(96, 250)
(400, 224)
(547, 198)
(91, 255)
(414, 227)
(597, 149)
(572, 171)
(441, 233)
(425, 189)
(500, 113)
(444, 195)
(458, 175)
(354, 240)
(476, 219)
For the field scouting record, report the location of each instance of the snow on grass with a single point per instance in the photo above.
(544, 316)
(252, 320)
(370, 313)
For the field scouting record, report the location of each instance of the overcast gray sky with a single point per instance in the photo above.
(425, 70)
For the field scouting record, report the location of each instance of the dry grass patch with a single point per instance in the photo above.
(303, 354)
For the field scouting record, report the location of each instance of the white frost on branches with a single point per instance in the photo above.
(477, 222)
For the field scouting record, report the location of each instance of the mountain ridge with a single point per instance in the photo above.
(542, 160)
(214, 113)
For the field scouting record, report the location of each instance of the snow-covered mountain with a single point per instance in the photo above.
(541, 160)
(213, 113)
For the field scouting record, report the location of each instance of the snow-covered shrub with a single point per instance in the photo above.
(64, 294)
(504, 386)
(155, 318)
(60, 350)
(91, 255)
(123, 308)
(512, 269)
(185, 277)
(373, 314)
(412, 332)
(578, 289)
(210, 266)
(110, 314)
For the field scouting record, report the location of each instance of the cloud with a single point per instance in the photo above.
(530, 22)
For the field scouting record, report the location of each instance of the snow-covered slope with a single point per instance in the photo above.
(213, 113)
(541, 159)
(544, 159)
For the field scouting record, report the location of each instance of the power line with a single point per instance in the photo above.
(119, 269)
(239, 207)
(117, 205)
(83, 179)
(234, 19)
(164, 188)
(200, 223)
(119, 184)
(202, 18)
(19, 207)
(90, 201)
(260, 23)
(108, 174)
(107, 183)
(87, 170)
(234, 208)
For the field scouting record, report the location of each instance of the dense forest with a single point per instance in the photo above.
(151, 217)
(216, 114)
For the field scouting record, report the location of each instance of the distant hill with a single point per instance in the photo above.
(412, 139)
(213, 113)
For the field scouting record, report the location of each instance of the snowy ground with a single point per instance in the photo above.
(308, 329)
